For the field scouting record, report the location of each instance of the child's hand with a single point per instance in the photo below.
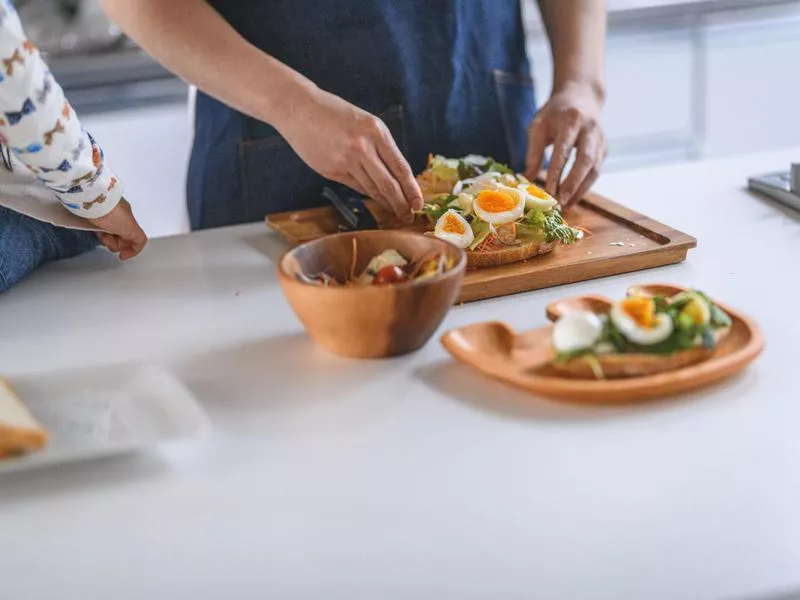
(121, 233)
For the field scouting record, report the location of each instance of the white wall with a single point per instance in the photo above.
(149, 150)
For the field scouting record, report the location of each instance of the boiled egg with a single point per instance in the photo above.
(487, 181)
(475, 160)
(576, 331)
(500, 206)
(636, 319)
(536, 197)
(452, 227)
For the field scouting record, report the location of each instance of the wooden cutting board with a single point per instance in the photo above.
(618, 240)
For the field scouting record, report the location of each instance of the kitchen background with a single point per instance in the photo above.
(686, 79)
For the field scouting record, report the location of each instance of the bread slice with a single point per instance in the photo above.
(475, 260)
(619, 366)
(507, 254)
(19, 431)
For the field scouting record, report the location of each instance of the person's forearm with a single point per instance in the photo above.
(577, 31)
(191, 39)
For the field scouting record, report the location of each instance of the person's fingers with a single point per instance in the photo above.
(589, 181)
(538, 139)
(138, 239)
(398, 167)
(353, 184)
(388, 186)
(128, 252)
(367, 186)
(587, 164)
(112, 242)
(585, 187)
(562, 147)
(134, 248)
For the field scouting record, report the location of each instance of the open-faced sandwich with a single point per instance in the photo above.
(640, 335)
(497, 215)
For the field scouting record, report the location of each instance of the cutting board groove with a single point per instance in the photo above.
(645, 244)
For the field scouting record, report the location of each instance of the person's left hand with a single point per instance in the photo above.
(121, 233)
(569, 120)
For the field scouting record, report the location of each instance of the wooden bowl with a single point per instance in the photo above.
(375, 321)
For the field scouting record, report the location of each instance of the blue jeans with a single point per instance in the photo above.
(26, 243)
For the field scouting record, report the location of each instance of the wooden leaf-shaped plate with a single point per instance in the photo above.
(523, 359)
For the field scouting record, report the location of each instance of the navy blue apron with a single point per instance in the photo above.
(449, 77)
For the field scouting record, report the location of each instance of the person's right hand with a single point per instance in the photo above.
(343, 143)
(121, 233)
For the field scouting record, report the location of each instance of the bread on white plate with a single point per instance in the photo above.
(20, 432)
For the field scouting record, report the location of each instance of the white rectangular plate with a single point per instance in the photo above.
(102, 411)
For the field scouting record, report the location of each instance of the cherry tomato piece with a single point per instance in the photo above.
(390, 274)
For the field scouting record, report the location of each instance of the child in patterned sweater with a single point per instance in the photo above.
(40, 130)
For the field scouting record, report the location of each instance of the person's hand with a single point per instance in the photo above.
(343, 143)
(569, 120)
(121, 233)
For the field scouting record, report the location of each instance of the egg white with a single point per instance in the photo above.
(462, 240)
(532, 201)
(643, 336)
(503, 217)
(473, 185)
(476, 160)
(576, 331)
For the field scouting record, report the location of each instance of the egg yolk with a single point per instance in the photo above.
(537, 192)
(641, 310)
(452, 224)
(493, 201)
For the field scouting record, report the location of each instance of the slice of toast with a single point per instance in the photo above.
(508, 254)
(20, 432)
(619, 366)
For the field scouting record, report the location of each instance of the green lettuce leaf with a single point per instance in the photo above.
(481, 230)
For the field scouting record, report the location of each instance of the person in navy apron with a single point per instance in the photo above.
(293, 94)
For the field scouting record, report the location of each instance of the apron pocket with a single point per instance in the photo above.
(275, 179)
(515, 97)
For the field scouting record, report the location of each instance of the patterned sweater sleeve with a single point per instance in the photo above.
(42, 130)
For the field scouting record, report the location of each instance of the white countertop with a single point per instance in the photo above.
(413, 478)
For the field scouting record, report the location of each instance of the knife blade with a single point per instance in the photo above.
(353, 210)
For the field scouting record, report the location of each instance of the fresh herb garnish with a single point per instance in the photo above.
(501, 168)
(552, 223)
(612, 335)
(534, 217)
(466, 171)
(661, 304)
(556, 229)
(439, 206)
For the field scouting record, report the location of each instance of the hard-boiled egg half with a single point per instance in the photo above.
(473, 185)
(636, 319)
(576, 331)
(499, 207)
(536, 197)
(452, 227)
